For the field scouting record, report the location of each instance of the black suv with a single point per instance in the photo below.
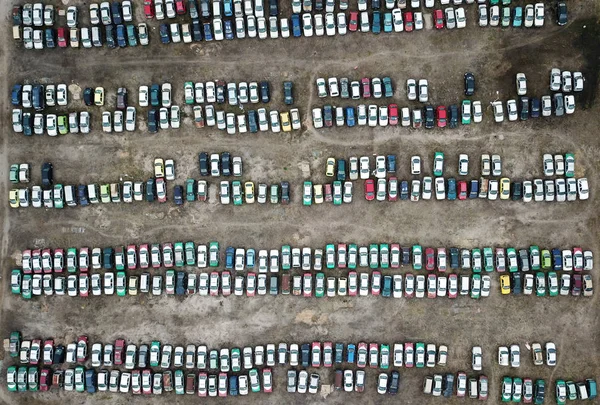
(469, 84)
(429, 115)
(288, 97)
(122, 98)
(203, 160)
(265, 94)
(47, 174)
(453, 119)
(524, 108)
(226, 164)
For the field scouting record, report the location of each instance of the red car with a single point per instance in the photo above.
(180, 7)
(146, 382)
(223, 377)
(353, 25)
(461, 376)
(431, 286)
(267, 380)
(526, 382)
(144, 256)
(328, 193)
(148, 8)
(47, 261)
(59, 260)
(45, 380)
(366, 86)
(119, 347)
(251, 280)
(131, 257)
(26, 261)
(409, 355)
(441, 116)
(483, 380)
(373, 355)
(438, 17)
(392, 189)
(408, 21)
(361, 355)
(161, 190)
(327, 354)
(429, 259)
(62, 38)
(226, 287)
(136, 389)
(393, 114)
(342, 251)
(452, 286)
(82, 353)
(462, 190)
(214, 276)
(577, 284)
(369, 189)
(315, 357)
(84, 259)
(48, 352)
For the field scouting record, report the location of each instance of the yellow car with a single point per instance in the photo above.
(13, 197)
(504, 188)
(318, 193)
(505, 284)
(249, 191)
(285, 121)
(330, 167)
(159, 168)
(99, 96)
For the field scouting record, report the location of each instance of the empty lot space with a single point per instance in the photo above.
(494, 55)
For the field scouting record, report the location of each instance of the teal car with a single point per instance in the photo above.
(179, 382)
(14, 343)
(33, 379)
(154, 353)
(540, 284)
(236, 192)
(572, 390)
(131, 35)
(190, 190)
(505, 17)
(384, 256)
(534, 257)
(352, 256)
(511, 257)
(320, 285)
(384, 356)
(546, 259)
(26, 287)
(476, 260)
(179, 254)
(307, 193)
(388, 25)
(15, 281)
(540, 387)
(517, 391)
(254, 380)
(330, 256)
(286, 257)
(476, 286)
(466, 112)
(58, 196)
(71, 260)
(190, 253)
(417, 252)
(121, 284)
(569, 165)
(79, 379)
(337, 193)
(488, 259)
(373, 256)
(438, 164)
(188, 90)
(236, 360)
(561, 392)
(22, 379)
(213, 252)
(11, 378)
(505, 2)
(517, 17)
(552, 284)
(14, 173)
(420, 355)
(507, 389)
(119, 258)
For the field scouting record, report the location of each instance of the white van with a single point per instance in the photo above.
(70, 196)
(465, 282)
(96, 36)
(74, 38)
(115, 192)
(428, 385)
(85, 38)
(145, 282)
(92, 190)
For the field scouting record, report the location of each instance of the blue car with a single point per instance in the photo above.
(196, 31)
(121, 36)
(90, 381)
(164, 34)
(252, 121)
(296, 28)
(350, 353)
(228, 29)
(388, 25)
(208, 36)
(391, 163)
(83, 195)
(229, 256)
(15, 97)
(115, 10)
(233, 385)
(227, 8)
(404, 190)
(50, 41)
(110, 37)
(474, 190)
(350, 120)
(517, 16)
(451, 189)
(250, 258)
(376, 28)
(556, 259)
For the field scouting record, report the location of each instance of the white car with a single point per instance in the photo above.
(450, 18)
(539, 15)
(463, 164)
(477, 361)
(423, 91)
(342, 26)
(515, 356)
(143, 96)
(411, 89)
(307, 28)
(511, 110)
(130, 119)
(521, 83)
(461, 18)
(503, 356)
(415, 165)
(330, 24)
(397, 20)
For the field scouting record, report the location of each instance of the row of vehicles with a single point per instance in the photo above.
(531, 16)
(58, 124)
(527, 107)
(444, 384)
(524, 390)
(39, 96)
(547, 284)
(512, 356)
(220, 92)
(366, 88)
(374, 256)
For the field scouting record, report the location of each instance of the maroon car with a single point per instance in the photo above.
(119, 347)
(62, 38)
(576, 289)
(430, 259)
(328, 193)
(366, 86)
(45, 380)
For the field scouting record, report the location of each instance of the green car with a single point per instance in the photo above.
(506, 389)
(22, 379)
(506, 17)
(307, 194)
(26, 287)
(236, 192)
(569, 165)
(337, 193)
(417, 252)
(517, 391)
(14, 343)
(236, 360)
(121, 284)
(534, 257)
(438, 164)
(79, 379)
(320, 285)
(274, 195)
(188, 90)
(15, 281)
(466, 112)
(11, 378)
(561, 392)
(475, 280)
(179, 254)
(330, 256)
(253, 376)
(373, 256)
(33, 378)
(120, 258)
(213, 254)
(71, 260)
(286, 257)
(420, 355)
(63, 125)
(179, 382)
(190, 190)
(190, 253)
(476, 260)
(384, 356)
(14, 173)
(505, 2)
(546, 259)
(540, 284)
(384, 256)
(58, 196)
(552, 283)
(352, 256)
(511, 259)
(154, 353)
(540, 386)
(488, 259)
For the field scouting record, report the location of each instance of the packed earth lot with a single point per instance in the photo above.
(493, 54)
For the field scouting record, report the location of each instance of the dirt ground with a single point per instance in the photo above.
(493, 54)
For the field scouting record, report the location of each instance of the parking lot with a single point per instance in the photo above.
(493, 54)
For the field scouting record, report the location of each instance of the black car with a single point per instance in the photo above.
(82, 195)
(405, 255)
(150, 190)
(517, 190)
(393, 390)
(265, 93)
(27, 129)
(285, 192)
(178, 195)
(59, 355)
(328, 115)
(515, 283)
(561, 13)
(107, 255)
(318, 5)
(523, 260)
(535, 107)
(252, 121)
(288, 97)
(122, 98)
(305, 354)
(115, 10)
(540, 388)
(469, 84)
(110, 37)
(196, 31)
(164, 34)
(429, 114)
(50, 38)
(226, 163)
(524, 108)
(152, 121)
(453, 116)
(454, 258)
(273, 8)
(203, 161)
(339, 353)
(341, 170)
(448, 385)
(376, 4)
(220, 91)
(180, 284)
(88, 96)
(47, 174)
(193, 7)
